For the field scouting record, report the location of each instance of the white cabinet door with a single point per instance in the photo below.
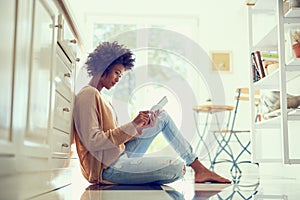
(42, 49)
(7, 31)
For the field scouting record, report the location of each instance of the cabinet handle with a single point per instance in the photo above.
(77, 59)
(66, 109)
(58, 26)
(67, 75)
(73, 41)
(65, 145)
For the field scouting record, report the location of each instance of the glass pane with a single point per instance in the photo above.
(7, 32)
(39, 102)
(164, 64)
(106, 32)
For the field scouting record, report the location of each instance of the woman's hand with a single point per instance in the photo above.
(145, 119)
(141, 119)
(152, 120)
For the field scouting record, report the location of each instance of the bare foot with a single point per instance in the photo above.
(202, 174)
(209, 176)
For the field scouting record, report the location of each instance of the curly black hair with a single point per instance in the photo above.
(106, 55)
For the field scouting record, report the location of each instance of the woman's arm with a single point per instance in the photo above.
(91, 116)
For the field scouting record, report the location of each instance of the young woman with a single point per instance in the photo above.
(110, 153)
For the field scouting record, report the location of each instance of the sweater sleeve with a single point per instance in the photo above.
(88, 116)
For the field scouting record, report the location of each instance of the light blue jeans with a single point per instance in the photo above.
(133, 167)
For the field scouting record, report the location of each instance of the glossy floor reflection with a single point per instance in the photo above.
(249, 187)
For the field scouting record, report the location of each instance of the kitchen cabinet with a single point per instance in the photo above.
(39, 60)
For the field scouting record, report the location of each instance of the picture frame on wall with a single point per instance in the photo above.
(221, 61)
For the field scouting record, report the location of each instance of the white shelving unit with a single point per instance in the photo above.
(279, 24)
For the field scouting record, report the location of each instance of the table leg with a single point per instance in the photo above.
(201, 134)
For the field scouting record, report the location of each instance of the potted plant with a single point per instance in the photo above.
(208, 101)
(296, 43)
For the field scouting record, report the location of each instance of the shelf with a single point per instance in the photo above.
(294, 115)
(291, 75)
(291, 21)
(293, 12)
(268, 42)
(273, 123)
(270, 81)
(294, 62)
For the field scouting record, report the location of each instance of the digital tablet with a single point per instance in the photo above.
(160, 104)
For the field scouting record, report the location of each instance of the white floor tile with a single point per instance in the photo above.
(250, 187)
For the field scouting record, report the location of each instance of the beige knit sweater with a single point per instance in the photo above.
(99, 141)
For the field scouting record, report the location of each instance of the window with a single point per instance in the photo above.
(157, 72)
